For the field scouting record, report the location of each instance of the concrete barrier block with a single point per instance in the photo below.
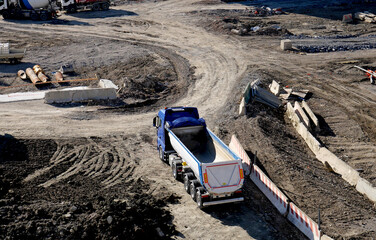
(326, 237)
(338, 166)
(312, 143)
(105, 83)
(310, 113)
(83, 94)
(275, 88)
(302, 115)
(242, 109)
(292, 115)
(310, 140)
(366, 188)
(286, 44)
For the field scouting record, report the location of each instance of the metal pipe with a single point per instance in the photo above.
(42, 77)
(59, 76)
(22, 74)
(37, 69)
(30, 72)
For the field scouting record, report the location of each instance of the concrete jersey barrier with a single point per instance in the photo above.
(346, 171)
(303, 222)
(81, 94)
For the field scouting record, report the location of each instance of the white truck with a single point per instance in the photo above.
(211, 172)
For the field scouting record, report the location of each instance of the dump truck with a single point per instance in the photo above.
(212, 173)
(11, 55)
(71, 6)
(34, 9)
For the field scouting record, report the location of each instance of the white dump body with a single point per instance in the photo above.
(217, 168)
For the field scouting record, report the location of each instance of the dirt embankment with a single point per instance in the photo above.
(103, 197)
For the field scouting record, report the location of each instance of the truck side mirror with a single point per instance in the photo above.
(155, 122)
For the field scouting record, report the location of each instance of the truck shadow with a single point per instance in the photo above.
(102, 14)
(52, 21)
(13, 68)
(241, 215)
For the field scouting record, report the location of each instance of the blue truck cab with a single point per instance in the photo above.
(173, 117)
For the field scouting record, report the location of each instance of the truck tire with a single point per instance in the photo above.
(199, 201)
(44, 16)
(72, 8)
(34, 16)
(161, 154)
(176, 169)
(187, 183)
(6, 14)
(13, 61)
(105, 6)
(192, 189)
(96, 7)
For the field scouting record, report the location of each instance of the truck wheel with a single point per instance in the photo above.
(192, 189)
(6, 15)
(199, 199)
(44, 16)
(34, 16)
(187, 182)
(175, 170)
(161, 154)
(96, 7)
(72, 8)
(105, 6)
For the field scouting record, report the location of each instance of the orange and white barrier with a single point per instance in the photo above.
(304, 223)
(238, 149)
(270, 190)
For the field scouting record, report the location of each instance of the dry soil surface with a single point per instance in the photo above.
(91, 169)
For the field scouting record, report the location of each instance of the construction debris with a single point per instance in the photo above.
(33, 77)
(58, 76)
(275, 88)
(22, 74)
(291, 94)
(67, 68)
(265, 11)
(365, 16)
(369, 73)
(263, 96)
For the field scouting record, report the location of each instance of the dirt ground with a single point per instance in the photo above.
(90, 170)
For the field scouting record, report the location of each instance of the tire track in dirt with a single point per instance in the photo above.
(93, 160)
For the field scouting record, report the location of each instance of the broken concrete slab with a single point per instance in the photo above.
(105, 83)
(275, 88)
(242, 109)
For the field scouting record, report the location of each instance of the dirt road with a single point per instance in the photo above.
(169, 52)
